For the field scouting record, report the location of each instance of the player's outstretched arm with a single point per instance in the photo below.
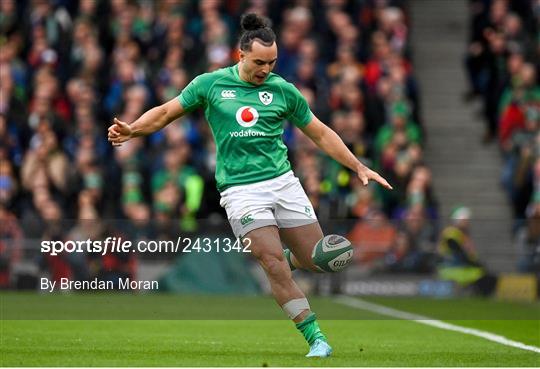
(331, 143)
(150, 122)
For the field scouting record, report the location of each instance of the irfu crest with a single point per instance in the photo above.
(266, 97)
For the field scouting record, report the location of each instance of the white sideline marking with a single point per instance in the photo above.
(383, 310)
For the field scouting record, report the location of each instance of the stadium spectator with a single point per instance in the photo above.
(8, 183)
(414, 248)
(519, 150)
(528, 239)
(373, 237)
(11, 239)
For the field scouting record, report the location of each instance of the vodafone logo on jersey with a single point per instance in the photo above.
(247, 116)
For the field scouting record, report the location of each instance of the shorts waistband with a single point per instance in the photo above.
(254, 185)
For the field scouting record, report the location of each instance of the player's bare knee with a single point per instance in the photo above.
(274, 265)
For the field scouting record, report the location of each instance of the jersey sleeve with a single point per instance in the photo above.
(299, 113)
(193, 96)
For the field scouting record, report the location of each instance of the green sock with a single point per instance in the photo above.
(310, 329)
(287, 254)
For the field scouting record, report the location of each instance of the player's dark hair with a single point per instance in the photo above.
(255, 28)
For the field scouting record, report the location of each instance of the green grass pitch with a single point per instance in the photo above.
(166, 330)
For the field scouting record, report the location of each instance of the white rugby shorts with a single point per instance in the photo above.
(279, 201)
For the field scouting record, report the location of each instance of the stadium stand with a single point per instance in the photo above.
(69, 67)
(503, 65)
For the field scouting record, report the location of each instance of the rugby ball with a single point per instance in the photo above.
(332, 253)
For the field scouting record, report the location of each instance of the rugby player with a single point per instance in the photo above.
(245, 106)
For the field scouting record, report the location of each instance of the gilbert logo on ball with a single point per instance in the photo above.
(247, 116)
(332, 253)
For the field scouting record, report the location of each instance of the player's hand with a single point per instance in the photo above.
(119, 132)
(365, 174)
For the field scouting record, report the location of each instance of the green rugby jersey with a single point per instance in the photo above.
(247, 123)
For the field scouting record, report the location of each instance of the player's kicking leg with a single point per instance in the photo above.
(300, 241)
(266, 248)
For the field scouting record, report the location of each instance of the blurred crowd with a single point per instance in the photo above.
(68, 67)
(503, 65)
